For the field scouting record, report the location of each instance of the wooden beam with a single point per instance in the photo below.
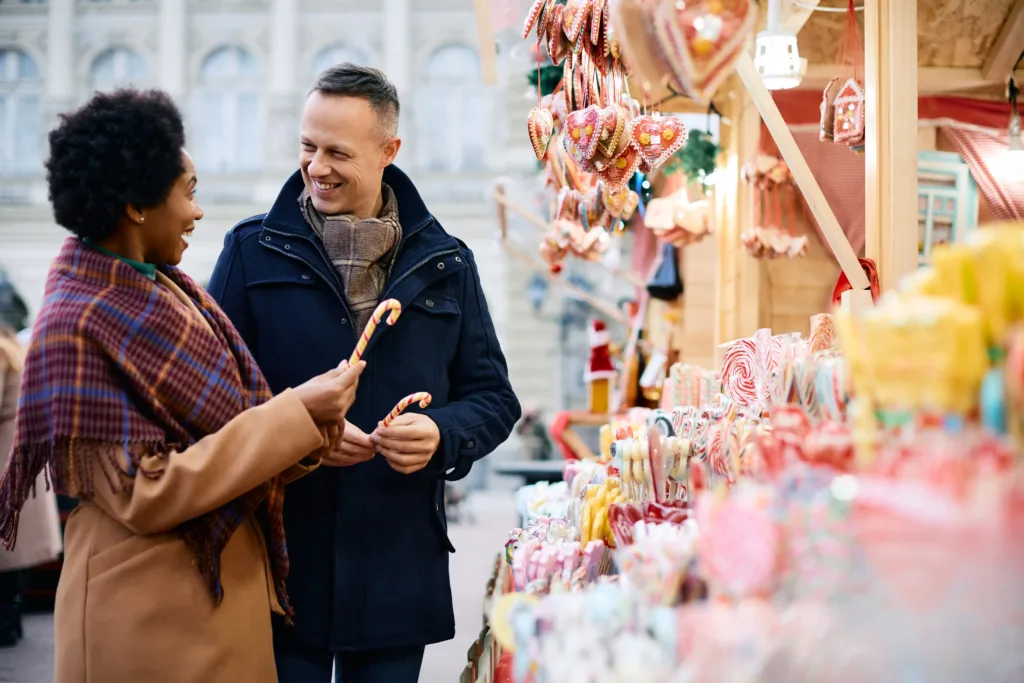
(1006, 51)
(802, 174)
(798, 16)
(890, 164)
(931, 80)
(485, 41)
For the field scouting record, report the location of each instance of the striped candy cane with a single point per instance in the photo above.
(378, 313)
(421, 396)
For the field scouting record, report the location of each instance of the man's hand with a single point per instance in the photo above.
(408, 443)
(353, 448)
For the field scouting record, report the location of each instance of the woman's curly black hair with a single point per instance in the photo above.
(120, 148)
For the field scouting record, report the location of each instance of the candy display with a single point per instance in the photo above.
(839, 504)
(841, 498)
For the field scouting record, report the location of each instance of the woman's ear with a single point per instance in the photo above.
(134, 214)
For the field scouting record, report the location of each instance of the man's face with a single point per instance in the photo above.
(344, 154)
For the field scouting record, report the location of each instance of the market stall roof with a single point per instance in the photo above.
(964, 46)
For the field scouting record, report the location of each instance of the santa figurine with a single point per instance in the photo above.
(600, 371)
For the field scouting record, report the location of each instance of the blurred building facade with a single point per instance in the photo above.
(239, 70)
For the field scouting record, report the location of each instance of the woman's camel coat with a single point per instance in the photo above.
(39, 530)
(132, 607)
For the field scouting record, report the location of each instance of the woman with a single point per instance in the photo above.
(141, 400)
(40, 522)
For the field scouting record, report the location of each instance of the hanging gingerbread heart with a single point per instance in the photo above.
(701, 40)
(620, 202)
(558, 46)
(583, 128)
(618, 171)
(598, 19)
(612, 131)
(541, 125)
(534, 17)
(573, 17)
(657, 138)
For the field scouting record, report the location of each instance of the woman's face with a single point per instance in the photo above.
(167, 224)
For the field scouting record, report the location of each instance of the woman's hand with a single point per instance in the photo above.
(352, 448)
(328, 397)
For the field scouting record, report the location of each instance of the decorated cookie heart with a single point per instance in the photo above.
(619, 170)
(557, 44)
(612, 131)
(583, 129)
(541, 125)
(573, 18)
(701, 40)
(556, 104)
(620, 202)
(535, 15)
(657, 138)
(598, 19)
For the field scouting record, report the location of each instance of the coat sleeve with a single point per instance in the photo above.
(483, 409)
(9, 381)
(227, 287)
(170, 489)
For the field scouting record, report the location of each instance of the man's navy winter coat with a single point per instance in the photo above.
(369, 546)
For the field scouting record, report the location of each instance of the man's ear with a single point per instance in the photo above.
(390, 151)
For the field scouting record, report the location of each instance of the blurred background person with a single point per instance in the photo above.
(40, 538)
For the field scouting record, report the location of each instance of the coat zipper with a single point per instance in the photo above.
(335, 285)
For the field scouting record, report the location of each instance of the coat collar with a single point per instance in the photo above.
(285, 215)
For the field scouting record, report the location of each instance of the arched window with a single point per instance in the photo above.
(116, 68)
(338, 54)
(229, 111)
(21, 113)
(452, 120)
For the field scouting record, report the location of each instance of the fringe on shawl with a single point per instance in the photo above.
(69, 471)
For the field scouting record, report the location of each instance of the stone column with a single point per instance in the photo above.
(396, 39)
(286, 87)
(172, 48)
(60, 58)
(397, 59)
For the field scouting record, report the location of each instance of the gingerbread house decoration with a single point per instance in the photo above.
(600, 371)
(849, 117)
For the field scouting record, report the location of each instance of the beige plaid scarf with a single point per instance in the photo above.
(362, 251)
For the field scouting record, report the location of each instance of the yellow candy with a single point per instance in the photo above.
(585, 523)
(598, 531)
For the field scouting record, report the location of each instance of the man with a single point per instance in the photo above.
(367, 535)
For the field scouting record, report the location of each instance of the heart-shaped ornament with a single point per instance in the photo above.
(657, 138)
(558, 46)
(573, 17)
(541, 125)
(612, 131)
(620, 202)
(598, 20)
(535, 14)
(617, 172)
(701, 40)
(583, 129)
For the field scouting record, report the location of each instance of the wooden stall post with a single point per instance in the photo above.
(802, 174)
(890, 169)
(485, 40)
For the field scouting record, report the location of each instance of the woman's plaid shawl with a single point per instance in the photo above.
(118, 368)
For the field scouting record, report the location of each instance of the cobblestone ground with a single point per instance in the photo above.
(476, 544)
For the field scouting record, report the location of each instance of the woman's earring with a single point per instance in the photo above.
(142, 219)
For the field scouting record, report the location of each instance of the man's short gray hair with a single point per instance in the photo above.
(352, 80)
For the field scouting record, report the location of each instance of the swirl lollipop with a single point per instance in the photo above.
(738, 372)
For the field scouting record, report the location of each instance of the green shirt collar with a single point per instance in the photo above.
(147, 269)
